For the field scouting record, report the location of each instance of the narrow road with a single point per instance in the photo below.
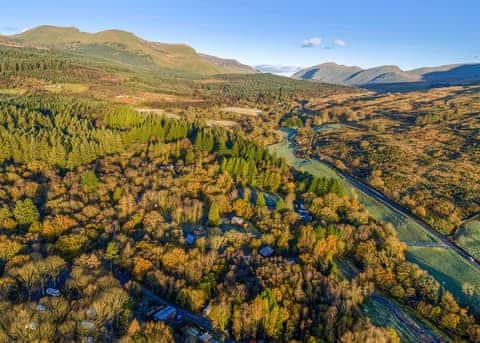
(469, 219)
(398, 208)
(401, 210)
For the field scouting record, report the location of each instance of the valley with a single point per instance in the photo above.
(150, 193)
(453, 268)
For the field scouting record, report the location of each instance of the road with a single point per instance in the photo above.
(403, 211)
(399, 209)
(469, 219)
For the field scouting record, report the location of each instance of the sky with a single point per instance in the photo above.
(279, 33)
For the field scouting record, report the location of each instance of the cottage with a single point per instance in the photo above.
(266, 251)
(53, 292)
(165, 314)
(190, 238)
(237, 221)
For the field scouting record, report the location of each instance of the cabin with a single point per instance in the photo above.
(53, 292)
(266, 251)
(190, 238)
(166, 314)
(237, 221)
(31, 326)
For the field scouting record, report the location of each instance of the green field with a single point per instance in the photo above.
(468, 237)
(450, 269)
(407, 229)
(385, 312)
(67, 88)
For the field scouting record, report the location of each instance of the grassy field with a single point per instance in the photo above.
(67, 88)
(385, 312)
(452, 271)
(468, 237)
(420, 148)
(407, 229)
(242, 111)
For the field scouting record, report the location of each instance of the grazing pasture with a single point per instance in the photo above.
(468, 237)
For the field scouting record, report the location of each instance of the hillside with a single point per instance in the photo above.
(124, 48)
(327, 72)
(232, 65)
(392, 77)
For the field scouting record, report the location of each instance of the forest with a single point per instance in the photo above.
(110, 214)
(97, 202)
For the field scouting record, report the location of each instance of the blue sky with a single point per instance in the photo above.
(303, 33)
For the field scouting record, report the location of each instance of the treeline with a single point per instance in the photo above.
(262, 89)
(13, 60)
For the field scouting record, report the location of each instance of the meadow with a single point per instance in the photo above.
(468, 237)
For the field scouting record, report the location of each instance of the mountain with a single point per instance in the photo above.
(228, 64)
(121, 47)
(391, 77)
(327, 72)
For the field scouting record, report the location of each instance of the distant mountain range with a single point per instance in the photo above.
(124, 48)
(391, 77)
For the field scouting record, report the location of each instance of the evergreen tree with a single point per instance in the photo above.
(214, 214)
(112, 253)
(90, 181)
(25, 212)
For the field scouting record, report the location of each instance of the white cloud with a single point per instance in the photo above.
(340, 42)
(308, 43)
(283, 70)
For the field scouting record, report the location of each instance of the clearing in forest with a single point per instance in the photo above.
(243, 111)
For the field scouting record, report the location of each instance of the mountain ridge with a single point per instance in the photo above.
(391, 76)
(123, 47)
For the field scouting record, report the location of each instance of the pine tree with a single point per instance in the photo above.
(111, 253)
(214, 214)
(25, 212)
